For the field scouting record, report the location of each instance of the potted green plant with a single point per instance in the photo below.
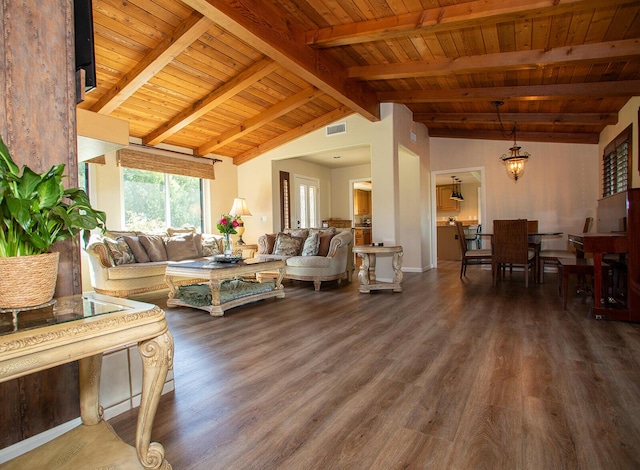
(37, 211)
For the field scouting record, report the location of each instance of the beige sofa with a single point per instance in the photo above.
(333, 260)
(119, 268)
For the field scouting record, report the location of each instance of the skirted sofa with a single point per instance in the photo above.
(128, 263)
(311, 254)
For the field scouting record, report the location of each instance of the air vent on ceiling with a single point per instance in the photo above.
(339, 128)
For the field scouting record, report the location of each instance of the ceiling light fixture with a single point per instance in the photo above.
(514, 162)
(456, 190)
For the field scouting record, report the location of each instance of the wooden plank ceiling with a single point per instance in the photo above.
(239, 77)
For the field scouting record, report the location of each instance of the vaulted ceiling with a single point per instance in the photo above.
(238, 77)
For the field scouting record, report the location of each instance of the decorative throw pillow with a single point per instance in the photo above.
(311, 245)
(154, 246)
(197, 239)
(271, 241)
(325, 242)
(210, 246)
(181, 247)
(115, 234)
(171, 231)
(299, 233)
(137, 249)
(119, 250)
(286, 245)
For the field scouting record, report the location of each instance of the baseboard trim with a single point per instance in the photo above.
(22, 447)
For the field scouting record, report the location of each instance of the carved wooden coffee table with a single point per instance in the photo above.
(215, 273)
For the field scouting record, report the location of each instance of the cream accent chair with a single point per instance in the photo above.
(336, 265)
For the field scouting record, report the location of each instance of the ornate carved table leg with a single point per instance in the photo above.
(172, 287)
(157, 359)
(281, 273)
(216, 309)
(363, 274)
(89, 369)
(397, 269)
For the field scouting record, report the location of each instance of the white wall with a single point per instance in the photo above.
(384, 139)
(415, 186)
(559, 187)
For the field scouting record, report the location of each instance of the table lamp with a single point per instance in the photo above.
(238, 210)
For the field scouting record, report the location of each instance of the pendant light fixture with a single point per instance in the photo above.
(456, 191)
(460, 198)
(514, 162)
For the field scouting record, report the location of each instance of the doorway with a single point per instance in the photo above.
(471, 211)
(305, 201)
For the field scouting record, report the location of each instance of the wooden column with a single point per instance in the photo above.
(37, 122)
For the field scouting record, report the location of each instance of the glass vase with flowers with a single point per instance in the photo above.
(227, 227)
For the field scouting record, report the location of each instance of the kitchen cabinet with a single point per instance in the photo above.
(448, 243)
(337, 223)
(443, 201)
(361, 202)
(362, 236)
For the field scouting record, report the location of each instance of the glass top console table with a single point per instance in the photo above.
(81, 328)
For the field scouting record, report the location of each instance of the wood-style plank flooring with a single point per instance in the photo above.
(448, 374)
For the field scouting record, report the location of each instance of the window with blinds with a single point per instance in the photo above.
(616, 164)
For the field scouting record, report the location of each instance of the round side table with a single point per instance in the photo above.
(367, 274)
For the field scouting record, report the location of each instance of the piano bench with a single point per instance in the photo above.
(579, 266)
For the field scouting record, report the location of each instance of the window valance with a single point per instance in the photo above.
(184, 165)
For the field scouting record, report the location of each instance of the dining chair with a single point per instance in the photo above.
(470, 256)
(553, 256)
(511, 247)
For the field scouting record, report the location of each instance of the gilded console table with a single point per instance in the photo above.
(81, 328)
(367, 274)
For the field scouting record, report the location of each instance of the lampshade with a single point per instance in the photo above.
(239, 207)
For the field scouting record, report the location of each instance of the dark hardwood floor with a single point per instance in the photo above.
(448, 374)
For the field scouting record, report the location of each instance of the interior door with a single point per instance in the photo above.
(306, 198)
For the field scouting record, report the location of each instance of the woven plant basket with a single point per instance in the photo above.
(27, 281)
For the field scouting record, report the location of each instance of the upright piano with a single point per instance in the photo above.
(618, 235)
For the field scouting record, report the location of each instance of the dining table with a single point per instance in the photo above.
(535, 242)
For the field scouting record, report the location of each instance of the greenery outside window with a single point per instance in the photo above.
(616, 164)
(154, 201)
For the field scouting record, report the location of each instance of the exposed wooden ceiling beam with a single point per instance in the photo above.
(520, 60)
(165, 52)
(576, 119)
(261, 119)
(555, 137)
(299, 131)
(527, 93)
(446, 19)
(264, 29)
(231, 88)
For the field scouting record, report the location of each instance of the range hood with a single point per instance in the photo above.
(99, 134)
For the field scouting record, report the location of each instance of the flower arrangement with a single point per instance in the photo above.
(227, 225)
